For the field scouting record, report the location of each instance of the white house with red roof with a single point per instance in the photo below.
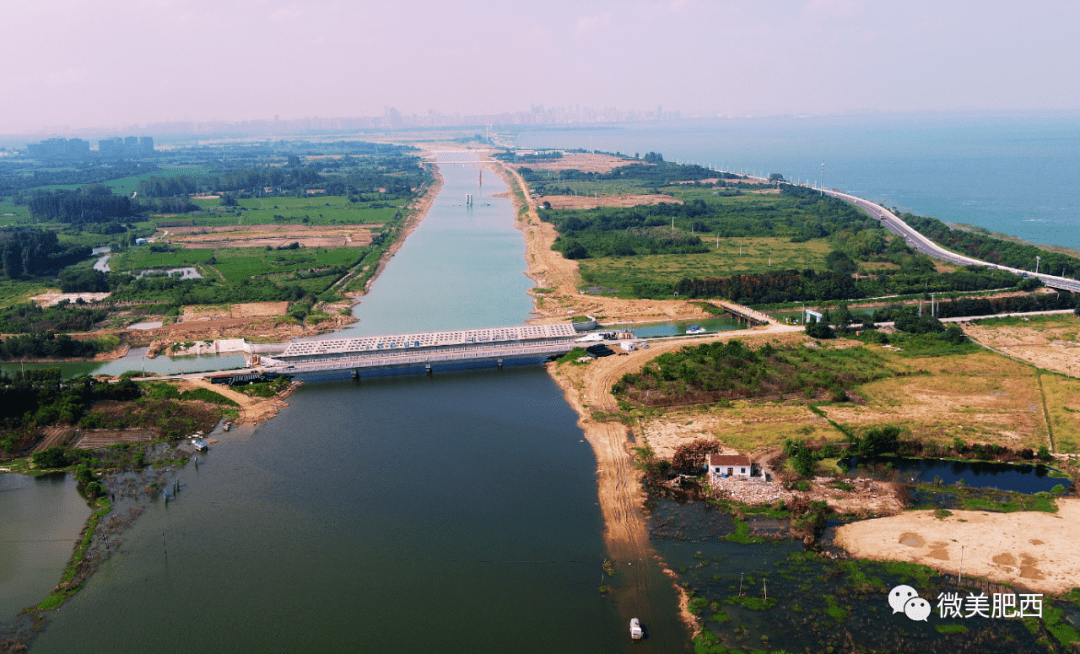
(730, 466)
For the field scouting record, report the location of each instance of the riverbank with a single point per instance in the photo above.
(558, 281)
(587, 389)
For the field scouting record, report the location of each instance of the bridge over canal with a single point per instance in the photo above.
(430, 350)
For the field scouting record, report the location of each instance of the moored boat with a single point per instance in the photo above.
(635, 629)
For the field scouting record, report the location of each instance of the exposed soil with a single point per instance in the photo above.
(585, 162)
(561, 280)
(586, 202)
(245, 310)
(52, 298)
(260, 236)
(253, 410)
(1030, 549)
(1048, 346)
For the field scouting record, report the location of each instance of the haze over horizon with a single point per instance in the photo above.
(75, 65)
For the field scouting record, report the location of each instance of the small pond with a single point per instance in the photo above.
(1025, 478)
(676, 328)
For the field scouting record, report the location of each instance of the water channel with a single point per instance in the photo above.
(402, 514)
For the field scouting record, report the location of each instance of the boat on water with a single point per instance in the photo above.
(695, 329)
(635, 629)
(199, 445)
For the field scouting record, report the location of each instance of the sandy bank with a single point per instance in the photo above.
(559, 277)
(1031, 549)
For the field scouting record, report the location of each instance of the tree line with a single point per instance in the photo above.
(994, 250)
(27, 253)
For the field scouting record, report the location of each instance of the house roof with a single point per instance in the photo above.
(728, 460)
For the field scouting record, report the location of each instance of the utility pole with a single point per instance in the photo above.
(1037, 260)
(821, 186)
(961, 576)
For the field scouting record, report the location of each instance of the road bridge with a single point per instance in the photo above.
(446, 349)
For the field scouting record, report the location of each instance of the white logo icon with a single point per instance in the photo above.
(917, 609)
(899, 596)
(905, 599)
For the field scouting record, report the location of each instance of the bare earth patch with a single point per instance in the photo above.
(978, 397)
(586, 202)
(997, 546)
(52, 298)
(242, 310)
(1049, 344)
(585, 162)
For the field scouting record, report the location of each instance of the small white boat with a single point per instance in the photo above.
(635, 629)
(199, 445)
(695, 329)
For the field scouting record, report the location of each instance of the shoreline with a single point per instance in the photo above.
(587, 390)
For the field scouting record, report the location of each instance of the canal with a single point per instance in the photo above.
(403, 514)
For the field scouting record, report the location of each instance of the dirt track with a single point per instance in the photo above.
(253, 410)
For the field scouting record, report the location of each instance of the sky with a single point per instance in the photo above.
(128, 62)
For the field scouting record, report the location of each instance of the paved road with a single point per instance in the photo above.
(924, 245)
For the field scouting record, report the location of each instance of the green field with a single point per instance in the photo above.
(317, 209)
(126, 185)
(733, 257)
(13, 214)
(238, 264)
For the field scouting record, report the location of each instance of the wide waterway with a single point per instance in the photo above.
(444, 514)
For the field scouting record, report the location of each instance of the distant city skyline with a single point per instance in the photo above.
(122, 63)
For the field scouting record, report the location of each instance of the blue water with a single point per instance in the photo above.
(1009, 174)
(975, 474)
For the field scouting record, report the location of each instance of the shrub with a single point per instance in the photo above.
(54, 457)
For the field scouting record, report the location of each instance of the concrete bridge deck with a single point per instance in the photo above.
(422, 349)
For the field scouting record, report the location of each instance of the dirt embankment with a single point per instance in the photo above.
(594, 201)
(1031, 549)
(622, 498)
(253, 410)
(559, 280)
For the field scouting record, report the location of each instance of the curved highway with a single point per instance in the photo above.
(892, 222)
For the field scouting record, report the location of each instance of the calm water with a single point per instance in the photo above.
(975, 474)
(655, 329)
(463, 267)
(42, 516)
(1001, 173)
(456, 513)
(136, 360)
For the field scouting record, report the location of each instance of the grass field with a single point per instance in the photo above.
(733, 257)
(18, 291)
(318, 209)
(13, 214)
(238, 264)
(1063, 406)
(977, 396)
(126, 185)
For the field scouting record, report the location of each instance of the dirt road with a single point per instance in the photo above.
(253, 410)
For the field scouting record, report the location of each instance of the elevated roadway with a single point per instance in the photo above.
(448, 349)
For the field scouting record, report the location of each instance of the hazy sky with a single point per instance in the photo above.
(115, 62)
